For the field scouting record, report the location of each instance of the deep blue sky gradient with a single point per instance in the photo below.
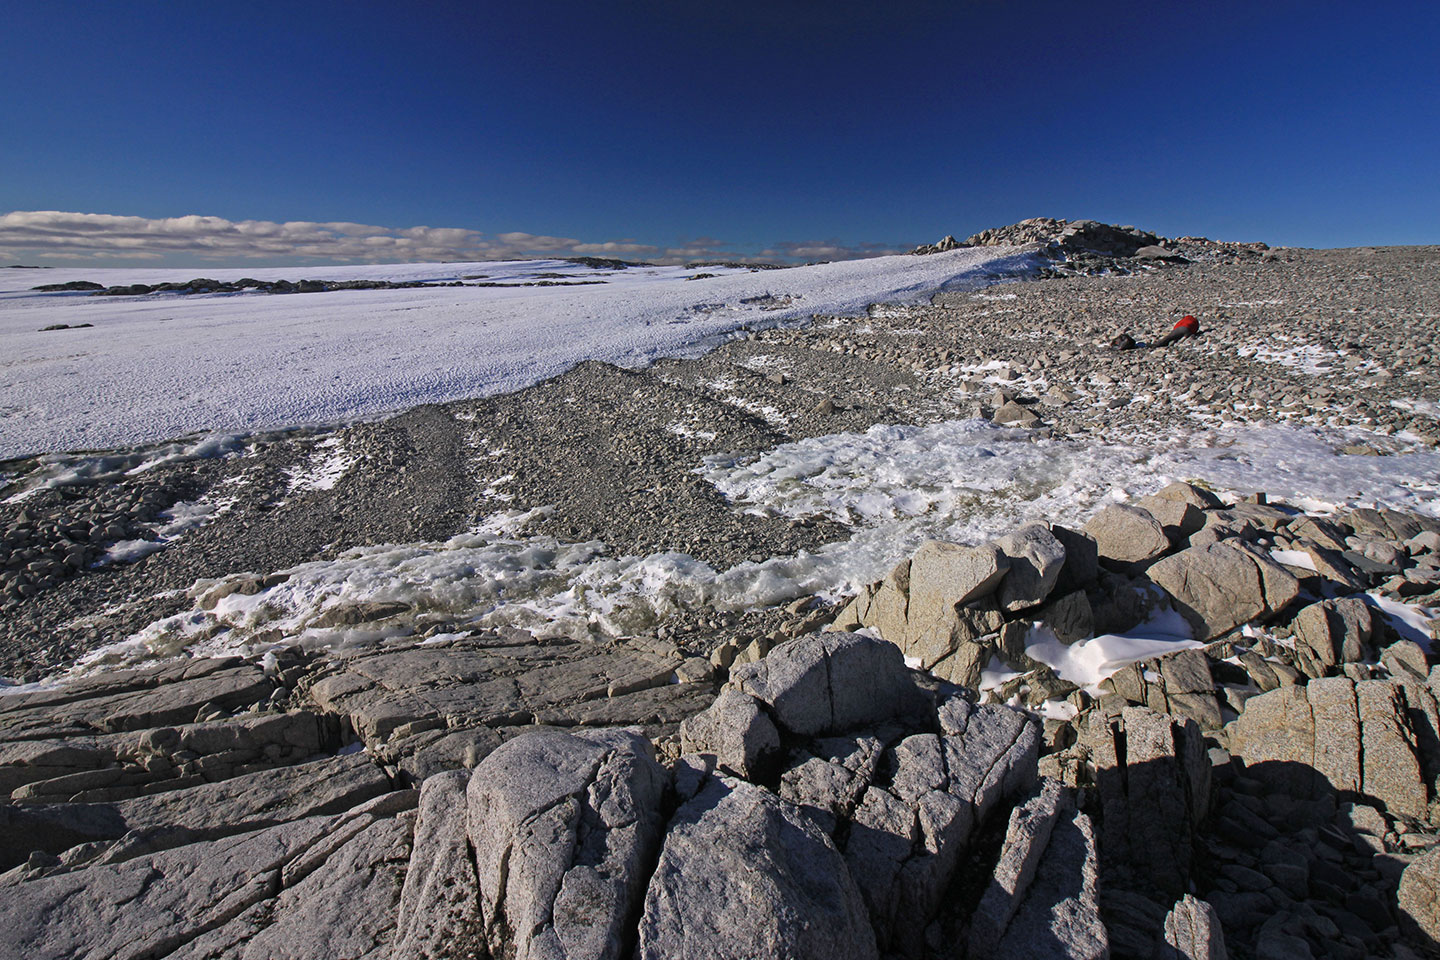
(1314, 123)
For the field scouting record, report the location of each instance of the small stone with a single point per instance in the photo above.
(1014, 414)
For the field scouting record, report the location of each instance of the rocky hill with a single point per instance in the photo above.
(1091, 247)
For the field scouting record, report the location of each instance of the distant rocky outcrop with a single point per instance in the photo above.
(1089, 246)
(202, 285)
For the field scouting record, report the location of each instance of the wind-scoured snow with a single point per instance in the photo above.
(160, 366)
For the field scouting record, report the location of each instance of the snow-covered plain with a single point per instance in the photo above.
(159, 366)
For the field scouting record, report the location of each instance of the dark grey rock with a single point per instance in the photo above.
(1070, 617)
(1193, 932)
(737, 731)
(816, 686)
(744, 874)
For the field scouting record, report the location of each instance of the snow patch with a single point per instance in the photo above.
(328, 462)
(1088, 662)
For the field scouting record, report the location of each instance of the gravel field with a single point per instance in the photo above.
(1336, 339)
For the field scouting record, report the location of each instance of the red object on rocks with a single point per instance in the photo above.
(1187, 324)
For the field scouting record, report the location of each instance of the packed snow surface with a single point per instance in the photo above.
(162, 365)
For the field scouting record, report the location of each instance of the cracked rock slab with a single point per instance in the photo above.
(816, 686)
(563, 827)
(439, 912)
(1217, 587)
(154, 905)
(1192, 932)
(743, 874)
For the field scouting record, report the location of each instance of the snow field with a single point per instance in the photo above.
(160, 366)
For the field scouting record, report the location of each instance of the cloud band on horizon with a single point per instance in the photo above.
(60, 235)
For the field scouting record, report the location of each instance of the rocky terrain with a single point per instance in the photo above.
(900, 771)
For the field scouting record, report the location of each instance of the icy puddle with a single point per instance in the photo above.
(963, 481)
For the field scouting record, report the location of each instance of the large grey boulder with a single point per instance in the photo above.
(563, 828)
(1059, 918)
(1180, 492)
(439, 912)
(815, 686)
(1152, 778)
(1218, 587)
(1332, 632)
(1127, 535)
(907, 836)
(1026, 838)
(1036, 558)
(1178, 518)
(1390, 758)
(1337, 736)
(946, 575)
(1192, 932)
(1418, 897)
(901, 805)
(737, 730)
(955, 647)
(743, 874)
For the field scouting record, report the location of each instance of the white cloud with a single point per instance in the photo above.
(68, 236)
(58, 235)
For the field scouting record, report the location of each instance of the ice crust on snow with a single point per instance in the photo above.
(67, 469)
(1293, 558)
(328, 462)
(158, 366)
(1410, 622)
(965, 481)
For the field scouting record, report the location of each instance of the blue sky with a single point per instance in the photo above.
(655, 129)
